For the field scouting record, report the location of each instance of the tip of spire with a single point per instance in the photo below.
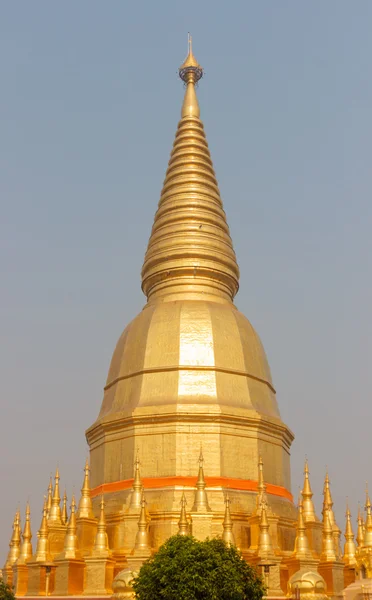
(190, 70)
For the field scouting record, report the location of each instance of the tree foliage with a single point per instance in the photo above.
(6, 592)
(186, 569)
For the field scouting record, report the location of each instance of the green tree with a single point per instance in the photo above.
(185, 569)
(6, 592)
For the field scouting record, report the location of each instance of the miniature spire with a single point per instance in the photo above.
(142, 543)
(265, 547)
(190, 248)
(228, 535)
(50, 495)
(201, 500)
(328, 502)
(360, 532)
(328, 548)
(42, 553)
(64, 515)
(85, 510)
(26, 547)
(70, 549)
(183, 525)
(15, 541)
(54, 515)
(307, 495)
(137, 488)
(302, 548)
(101, 545)
(349, 547)
(368, 524)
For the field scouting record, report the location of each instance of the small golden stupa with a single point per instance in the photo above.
(189, 438)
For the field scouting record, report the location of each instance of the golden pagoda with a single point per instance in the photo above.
(189, 417)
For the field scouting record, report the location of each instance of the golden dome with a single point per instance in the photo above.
(308, 583)
(189, 352)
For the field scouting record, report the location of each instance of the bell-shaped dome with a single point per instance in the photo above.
(308, 583)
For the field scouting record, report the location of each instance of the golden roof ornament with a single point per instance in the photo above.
(64, 515)
(137, 488)
(183, 525)
(85, 509)
(307, 495)
(54, 515)
(15, 541)
(101, 545)
(190, 250)
(50, 495)
(201, 499)
(26, 547)
(42, 553)
(70, 549)
(142, 543)
(265, 547)
(360, 530)
(349, 547)
(327, 501)
(228, 536)
(368, 523)
(302, 547)
(328, 545)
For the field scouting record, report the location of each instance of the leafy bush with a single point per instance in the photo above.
(186, 569)
(6, 592)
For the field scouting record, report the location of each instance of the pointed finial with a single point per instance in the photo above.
(190, 70)
(26, 547)
(15, 541)
(301, 548)
(142, 543)
(101, 545)
(70, 549)
(50, 495)
(265, 547)
(261, 487)
(85, 510)
(137, 488)
(307, 495)
(64, 515)
(42, 553)
(349, 547)
(54, 515)
(201, 500)
(328, 546)
(228, 536)
(183, 525)
(360, 532)
(368, 523)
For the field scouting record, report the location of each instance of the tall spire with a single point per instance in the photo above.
(183, 525)
(228, 535)
(85, 510)
(50, 495)
(302, 548)
(368, 524)
(64, 515)
(190, 249)
(142, 543)
(265, 547)
(349, 547)
(70, 549)
(42, 553)
(360, 532)
(328, 502)
(328, 547)
(26, 547)
(201, 500)
(54, 515)
(101, 545)
(307, 495)
(15, 541)
(137, 488)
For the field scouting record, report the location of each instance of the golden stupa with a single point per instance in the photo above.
(189, 438)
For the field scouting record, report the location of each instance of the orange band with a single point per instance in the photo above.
(160, 482)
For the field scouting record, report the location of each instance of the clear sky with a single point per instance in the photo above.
(89, 104)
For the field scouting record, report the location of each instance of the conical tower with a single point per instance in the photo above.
(302, 547)
(368, 523)
(15, 541)
(54, 514)
(307, 497)
(71, 544)
(26, 547)
(64, 515)
(50, 495)
(328, 549)
(328, 502)
(101, 545)
(190, 368)
(183, 525)
(99, 566)
(85, 509)
(201, 501)
(360, 532)
(227, 524)
(137, 488)
(42, 553)
(349, 547)
(142, 544)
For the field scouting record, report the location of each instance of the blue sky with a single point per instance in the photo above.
(89, 104)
